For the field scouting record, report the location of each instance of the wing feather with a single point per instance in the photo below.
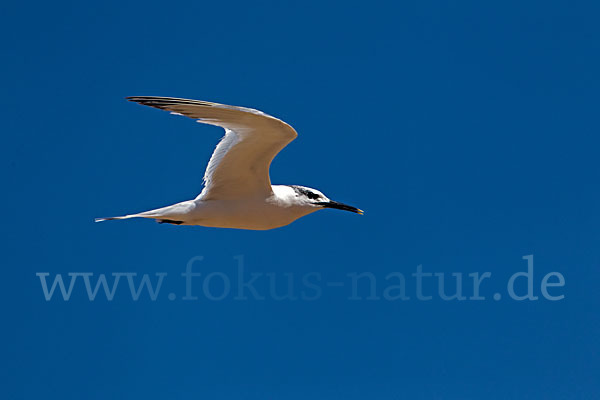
(239, 166)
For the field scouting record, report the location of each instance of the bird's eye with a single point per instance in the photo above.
(301, 191)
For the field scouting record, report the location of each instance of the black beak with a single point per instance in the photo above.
(340, 206)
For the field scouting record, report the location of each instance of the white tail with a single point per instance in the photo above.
(174, 214)
(122, 217)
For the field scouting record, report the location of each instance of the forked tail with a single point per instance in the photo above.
(122, 217)
(157, 219)
(174, 214)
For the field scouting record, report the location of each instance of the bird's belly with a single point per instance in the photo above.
(244, 215)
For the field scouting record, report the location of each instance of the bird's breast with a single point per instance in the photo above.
(256, 214)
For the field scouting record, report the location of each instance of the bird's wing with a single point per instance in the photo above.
(239, 166)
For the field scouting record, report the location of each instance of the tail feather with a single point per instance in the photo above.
(122, 217)
(170, 214)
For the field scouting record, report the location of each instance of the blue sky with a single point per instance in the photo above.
(468, 132)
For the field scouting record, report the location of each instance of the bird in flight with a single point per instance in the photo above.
(237, 189)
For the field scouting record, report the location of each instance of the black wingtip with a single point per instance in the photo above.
(169, 221)
(145, 98)
(159, 100)
(152, 101)
(136, 99)
(140, 99)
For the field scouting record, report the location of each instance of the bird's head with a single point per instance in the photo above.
(314, 198)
